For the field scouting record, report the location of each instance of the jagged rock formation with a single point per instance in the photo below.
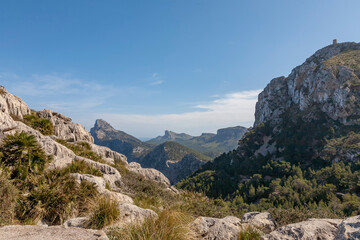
(327, 79)
(209, 144)
(105, 135)
(64, 128)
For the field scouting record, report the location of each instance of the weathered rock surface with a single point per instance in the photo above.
(315, 82)
(317, 229)
(149, 173)
(349, 229)
(108, 155)
(64, 128)
(100, 184)
(132, 214)
(33, 232)
(13, 105)
(264, 221)
(206, 228)
(79, 222)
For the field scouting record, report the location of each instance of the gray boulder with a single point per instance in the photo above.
(149, 173)
(317, 229)
(263, 221)
(207, 228)
(64, 128)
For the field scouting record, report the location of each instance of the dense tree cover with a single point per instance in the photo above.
(315, 163)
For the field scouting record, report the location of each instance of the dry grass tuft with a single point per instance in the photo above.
(105, 212)
(170, 225)
(7, 199)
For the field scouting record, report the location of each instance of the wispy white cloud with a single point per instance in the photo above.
(228, 110)
(58, 92)
(85, 101)
(155, 79)
(157, 82)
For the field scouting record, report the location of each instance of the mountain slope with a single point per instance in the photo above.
(210, 144)
(105, 135)
(303, 150)
(174, 154)
(174, 160)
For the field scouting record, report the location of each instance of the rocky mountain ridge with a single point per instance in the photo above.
(210, 144)
(105, 135)
(174, 160)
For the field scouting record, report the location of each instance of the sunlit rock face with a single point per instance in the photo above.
(328, 79)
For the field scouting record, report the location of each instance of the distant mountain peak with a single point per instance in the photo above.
(100, 123)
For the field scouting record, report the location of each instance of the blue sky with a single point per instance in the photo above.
(145, 66)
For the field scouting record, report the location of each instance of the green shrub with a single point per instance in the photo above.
(83, 167)
(82, 149)
(170, 225)
(55, 197)
(43, 125)
(7, 199)
(23, 155)
(104, 212)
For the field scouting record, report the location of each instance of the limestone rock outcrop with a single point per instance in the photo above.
(64, 128)
(33, 232)
(13, 105)
(206, 228)
(132, 214)
(324, 229)
(149, 173)
(263, 221)
(108, 155)
(100, 184)
(318, 81)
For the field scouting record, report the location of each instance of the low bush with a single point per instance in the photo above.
(43, 125)
(55, 197)
(82, 149)
(82, 167)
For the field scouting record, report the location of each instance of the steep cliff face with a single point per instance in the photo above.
(328, 79)
(305, 124)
